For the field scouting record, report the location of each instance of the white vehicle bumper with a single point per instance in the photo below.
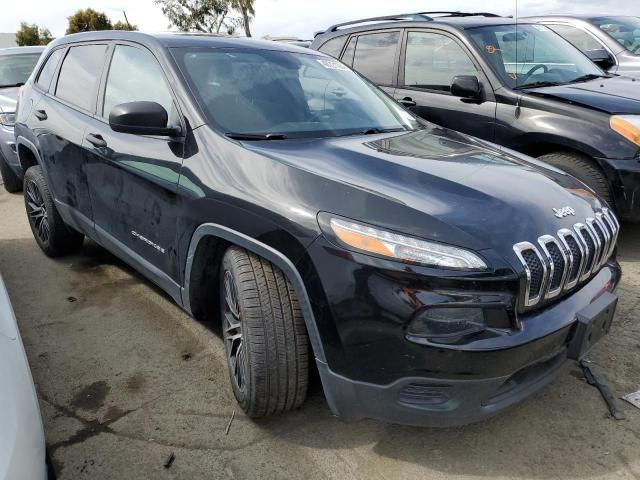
(22, 444)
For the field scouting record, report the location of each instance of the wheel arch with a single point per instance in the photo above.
(211, 239)
(28, 155)
(536, 145)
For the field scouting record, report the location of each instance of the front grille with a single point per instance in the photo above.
(558, 263)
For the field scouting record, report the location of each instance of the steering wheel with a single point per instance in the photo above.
(536, 67)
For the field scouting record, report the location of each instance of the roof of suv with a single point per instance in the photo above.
(21, 50)
(179, 39)
(459, 20)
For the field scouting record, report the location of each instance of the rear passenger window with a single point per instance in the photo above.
(432, 60)
(334, 46)
(46, 74)
(375, 56)
(79, 74)
(134, 75)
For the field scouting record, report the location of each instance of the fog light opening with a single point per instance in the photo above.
(447, 322)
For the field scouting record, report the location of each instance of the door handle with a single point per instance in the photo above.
(407, 102)
(40, 114)
(96, 140)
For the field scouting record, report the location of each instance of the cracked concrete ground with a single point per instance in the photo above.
(125, 378)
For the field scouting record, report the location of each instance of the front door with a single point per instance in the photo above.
(427, 67)
(133, 178)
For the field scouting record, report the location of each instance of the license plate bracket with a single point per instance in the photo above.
(593, 323)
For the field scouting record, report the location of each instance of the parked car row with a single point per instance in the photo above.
(517, 84)
(16, 65)
(431, 277)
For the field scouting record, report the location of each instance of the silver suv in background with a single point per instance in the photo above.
(16, 65)
(611, 41)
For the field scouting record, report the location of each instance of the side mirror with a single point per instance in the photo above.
(141, 118)
(466, 86)
(600, 57)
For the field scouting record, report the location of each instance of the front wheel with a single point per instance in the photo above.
(583, 169)
(52, 235)
(264, 335)
(12, 183)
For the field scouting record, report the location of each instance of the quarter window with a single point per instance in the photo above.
(79, 74)
(46, 74)
(333, 47)
(577, 37)
(134, 75)
(432, 60)
(375, 56)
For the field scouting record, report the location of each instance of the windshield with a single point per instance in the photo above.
(532, 55)
(262, 92)
(15, 69)
(626, 30)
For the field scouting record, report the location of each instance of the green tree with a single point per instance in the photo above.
(124, 26)
(88, 20)
(32, 35)
(208, 16)
(245, 7)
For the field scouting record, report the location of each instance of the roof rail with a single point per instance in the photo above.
(403, 17)
(407, 17)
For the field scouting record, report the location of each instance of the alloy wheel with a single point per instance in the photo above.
(37, 211)
(232, 333)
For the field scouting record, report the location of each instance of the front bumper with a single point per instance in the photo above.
(372, 370)
(8, 150)
(22, 444)
(624, 175)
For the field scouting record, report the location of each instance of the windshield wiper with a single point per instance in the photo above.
(537, 84)
(19, 84)
(374, 130)
(586, 78)
(256, 136)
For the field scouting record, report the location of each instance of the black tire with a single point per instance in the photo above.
(273, 342)
(54, 237)
(12, 183)
(583, 168)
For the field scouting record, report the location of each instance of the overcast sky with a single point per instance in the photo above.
(299, 18)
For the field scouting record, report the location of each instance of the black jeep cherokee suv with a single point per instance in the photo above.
(519, 85)
(434, 279)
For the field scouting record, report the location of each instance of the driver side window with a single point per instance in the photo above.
(432, 60)
(577, 37)
(134, 75)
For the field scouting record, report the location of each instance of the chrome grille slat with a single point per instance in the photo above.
(559, 263)
(557, 259)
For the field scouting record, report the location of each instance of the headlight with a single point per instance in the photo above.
(628, 126)
(7, 119)
(402, 248)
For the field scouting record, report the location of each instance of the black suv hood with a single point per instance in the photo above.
(8, 99)
(616, 95)
(455, 187)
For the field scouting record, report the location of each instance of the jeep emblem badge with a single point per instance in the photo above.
(563, 212)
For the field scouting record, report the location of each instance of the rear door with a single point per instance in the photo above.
(133, 178)
(59, 119)
(375, 55)
(429, 61)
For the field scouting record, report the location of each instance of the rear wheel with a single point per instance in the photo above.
(583, 169)
(12, 183)
(54, 237)
(264, 335)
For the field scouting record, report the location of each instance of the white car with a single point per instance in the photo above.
(22, 445)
